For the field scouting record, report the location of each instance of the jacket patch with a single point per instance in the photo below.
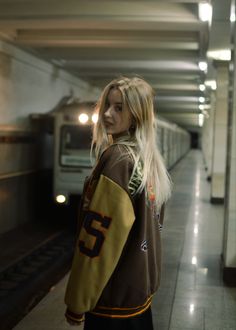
(90, 220)
(144, 245)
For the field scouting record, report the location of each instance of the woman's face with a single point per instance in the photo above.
(117, 118)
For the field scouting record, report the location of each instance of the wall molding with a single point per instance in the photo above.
(15, 174)
(17, 139)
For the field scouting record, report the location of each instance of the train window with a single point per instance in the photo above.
(75, 145)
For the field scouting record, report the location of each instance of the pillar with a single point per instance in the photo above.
(220, 133)
(207, 136)
(229, 244)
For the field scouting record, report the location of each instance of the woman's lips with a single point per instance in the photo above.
(107, 123)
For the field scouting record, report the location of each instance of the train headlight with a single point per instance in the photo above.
(83, 118)
(60, 199)
(95, 118)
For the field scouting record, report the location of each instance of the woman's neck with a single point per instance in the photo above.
(121, 137)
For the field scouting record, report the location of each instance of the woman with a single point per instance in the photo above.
(117, 262)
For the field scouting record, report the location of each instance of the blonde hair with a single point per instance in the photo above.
(137, 96)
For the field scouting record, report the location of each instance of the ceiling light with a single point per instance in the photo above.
(200, 121)
(202, 87)
(211, 84)
(201, 99)
(220, 54)
(202, 66)
(232, 12)
(201, 107)
(205, 12)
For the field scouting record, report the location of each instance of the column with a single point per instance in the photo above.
(229, 246)
(220, 133)
(207, 136)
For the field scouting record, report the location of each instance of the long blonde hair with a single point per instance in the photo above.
(137, 96)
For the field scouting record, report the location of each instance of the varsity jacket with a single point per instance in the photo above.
(117, 261)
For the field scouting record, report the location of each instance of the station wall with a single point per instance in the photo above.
(28, 85)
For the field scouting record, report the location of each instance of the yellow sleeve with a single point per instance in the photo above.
(105, 229)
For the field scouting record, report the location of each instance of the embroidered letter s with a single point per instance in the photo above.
(90, 218)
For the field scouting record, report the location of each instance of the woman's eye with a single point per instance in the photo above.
(118, 108)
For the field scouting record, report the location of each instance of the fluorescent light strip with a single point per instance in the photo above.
(205, 12)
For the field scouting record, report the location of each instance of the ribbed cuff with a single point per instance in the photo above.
(74, 317)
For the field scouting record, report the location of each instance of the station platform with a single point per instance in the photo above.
(192, 294)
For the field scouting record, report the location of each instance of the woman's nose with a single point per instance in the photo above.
(107, 113)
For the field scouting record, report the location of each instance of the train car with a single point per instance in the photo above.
(72, 140)
(174, 141)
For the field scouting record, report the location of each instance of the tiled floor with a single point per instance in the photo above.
(192, 294)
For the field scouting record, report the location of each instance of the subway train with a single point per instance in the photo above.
(73, 125)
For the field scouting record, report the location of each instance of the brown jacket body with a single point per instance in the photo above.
(117, 262)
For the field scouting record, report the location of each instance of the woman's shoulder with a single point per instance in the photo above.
(116, 161)
(116, 152)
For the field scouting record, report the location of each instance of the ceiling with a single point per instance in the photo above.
(162, 41)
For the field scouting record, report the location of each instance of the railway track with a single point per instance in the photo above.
(28, 280)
